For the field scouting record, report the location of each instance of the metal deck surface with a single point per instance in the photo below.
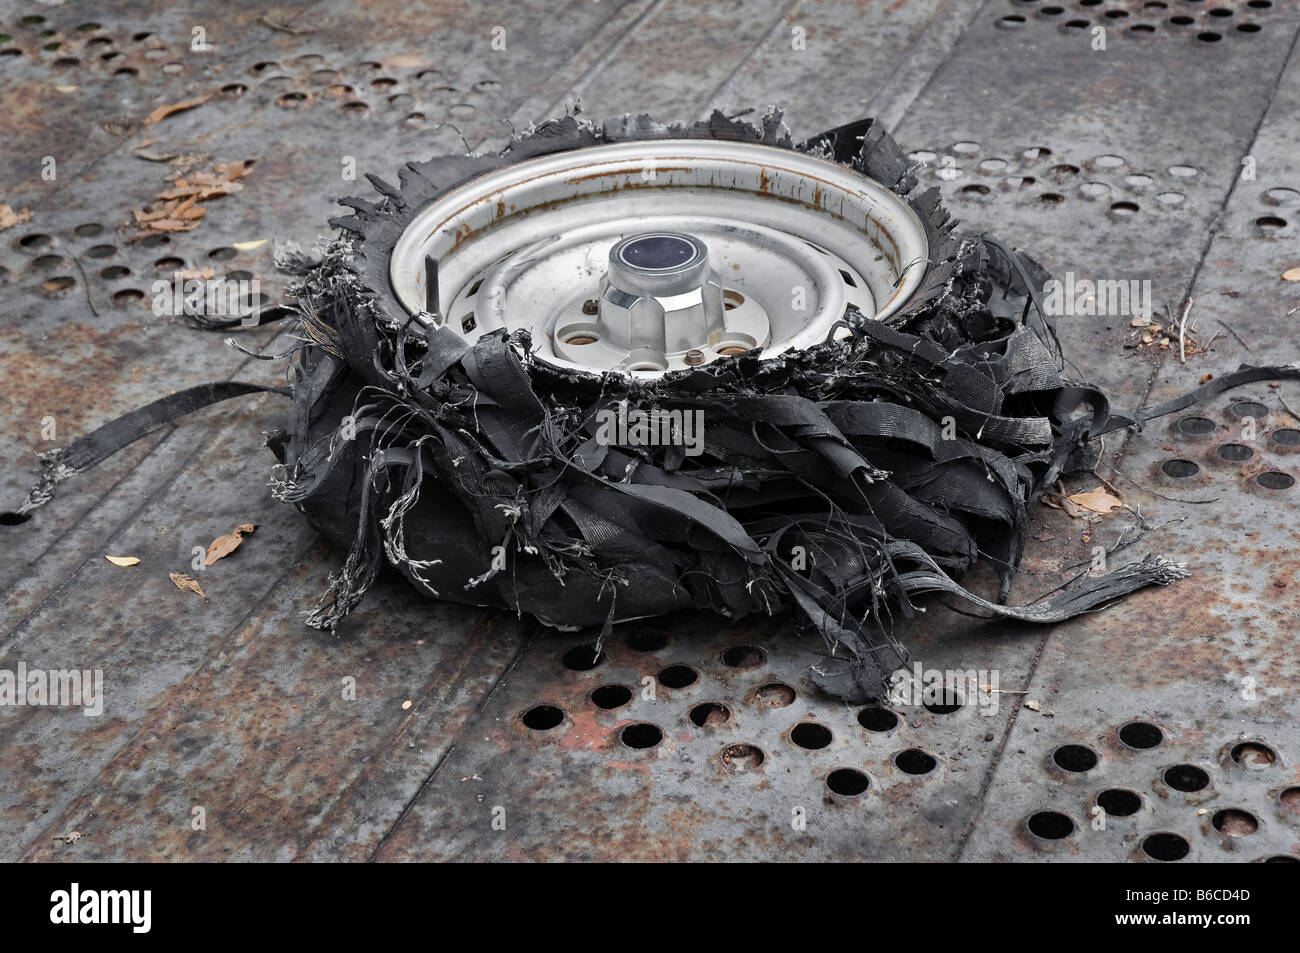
(1173, 155)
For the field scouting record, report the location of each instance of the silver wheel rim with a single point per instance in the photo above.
(789, 235)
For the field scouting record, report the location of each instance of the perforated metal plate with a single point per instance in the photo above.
(469, 735)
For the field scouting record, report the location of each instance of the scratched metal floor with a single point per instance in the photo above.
(1121, 163)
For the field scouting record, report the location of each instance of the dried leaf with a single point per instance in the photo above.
(162, 112)
(223, 546)
(1062, 502)
(1098, 500)
(1033, 704)
(1291, 274)
(9, 218)
(249, 246)
(407, 60)
(124, 560)
(186, 582)
(201, 274)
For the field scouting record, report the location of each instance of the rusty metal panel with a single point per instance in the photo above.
(229, 704)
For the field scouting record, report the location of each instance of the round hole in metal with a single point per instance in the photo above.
(1195, 426)
(1180, 469)
(611, 696)
(775, 695)
(1234, 452)
(1141, 735)
(874, 718)
(1186, 778)
(1119, 802)
(1275, 480)
(678, 676)
(741, 757)
(744, 656)
(810, 735)
(710, 714)
(1253, 754)
(915, 761)
(848, 782)
(542, 717)
(1075, 758)
(1234, 822)
(1050, 825)
(642, 735)
(1165, 846)
(582, 658)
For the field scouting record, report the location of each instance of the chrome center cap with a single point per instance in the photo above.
(659, 296)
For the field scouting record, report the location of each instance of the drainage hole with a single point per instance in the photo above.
(1248, 408)
(1234, 452)
(1289, 799)
(743, 656)
(1050, 825)
(1165, 847)
(1141, 734)
(1179, 469)
(849, 782)
(678, 676)
(611, 696)
(1287, 437)
(742, 757)
(1075, 758)
(542, 717)
(14, 519)
(915, 761)
(1119, 802)
(1275, 480)
(945, 704)
(1186, 777)
(1253, 754)
(1196, 426)
(1234, 822)
(581, 658)
(710, 714)
(775, 695)
(810, 735)
(877, 719)
(641, 736)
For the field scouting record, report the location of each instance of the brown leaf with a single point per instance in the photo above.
(124, 560)
(162, 112)
(223, 546)
(407, 60)
(186, 582)
(1098, 500)
(9, 218)
(1291, 274)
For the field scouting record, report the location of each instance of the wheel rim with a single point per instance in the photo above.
(792, 240)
